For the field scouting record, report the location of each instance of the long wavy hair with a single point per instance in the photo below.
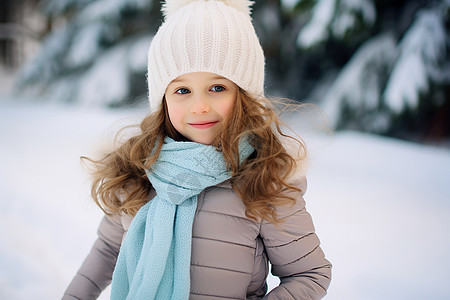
(261, 180)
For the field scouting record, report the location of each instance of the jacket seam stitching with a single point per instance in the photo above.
(294, 261)
(74, 297)
(293, 241)
(288, 291)
(320, 285)
(285, 217)
(92, 281)
(228, 215)
(222, 241)
(218, 268)
(314, 280)
(293, 213)
(323, 275)
(209, 295)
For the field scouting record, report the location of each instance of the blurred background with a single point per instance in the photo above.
(378, 187)
(373, 66)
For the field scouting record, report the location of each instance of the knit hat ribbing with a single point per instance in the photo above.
(205, 36)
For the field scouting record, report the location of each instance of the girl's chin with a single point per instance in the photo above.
(205, 140)
(202, 141)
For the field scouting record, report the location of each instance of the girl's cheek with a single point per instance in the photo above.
(226, 108)
(175, 114)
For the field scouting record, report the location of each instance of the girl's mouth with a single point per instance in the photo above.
(203, 125)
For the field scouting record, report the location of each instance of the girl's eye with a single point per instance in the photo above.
(218, 88)
(182, 91)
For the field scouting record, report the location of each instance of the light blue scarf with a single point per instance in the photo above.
(154, 259)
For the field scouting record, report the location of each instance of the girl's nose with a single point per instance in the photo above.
(199, 105)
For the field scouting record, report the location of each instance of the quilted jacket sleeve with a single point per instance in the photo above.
(96, 271)
(294, 252)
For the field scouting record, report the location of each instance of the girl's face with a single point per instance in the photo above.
(199, 103)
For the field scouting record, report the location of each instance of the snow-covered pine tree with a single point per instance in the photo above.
(377, 66)
(381, 66)
(94, 53)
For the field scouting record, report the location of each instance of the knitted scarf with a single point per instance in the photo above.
(154, 259)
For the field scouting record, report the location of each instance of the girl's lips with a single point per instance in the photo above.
(203, 125)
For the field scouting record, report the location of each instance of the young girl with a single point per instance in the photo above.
(207, 193)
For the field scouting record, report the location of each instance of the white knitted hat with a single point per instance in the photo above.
(205, 36)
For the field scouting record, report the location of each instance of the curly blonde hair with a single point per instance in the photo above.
(260, 181)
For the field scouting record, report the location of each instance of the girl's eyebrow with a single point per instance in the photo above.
(176, 80)
(212, 78)
(220, 78)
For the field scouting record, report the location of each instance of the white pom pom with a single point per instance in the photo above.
(171, 6)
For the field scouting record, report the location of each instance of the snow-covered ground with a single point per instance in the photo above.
(381, 206)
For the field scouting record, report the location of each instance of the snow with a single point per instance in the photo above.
(381, 206)
(358, 85)
(421, 50)
(68, 66)
(336, 18)
(111, 10)
(316, 30)
(85, 45)
(7, 80)
(137, 56)
(346, 19)
(407, 81)
(106, 82)
(45, 65)
(289, 4)
(58, 7)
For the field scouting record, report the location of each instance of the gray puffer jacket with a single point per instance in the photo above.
(230, 252)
